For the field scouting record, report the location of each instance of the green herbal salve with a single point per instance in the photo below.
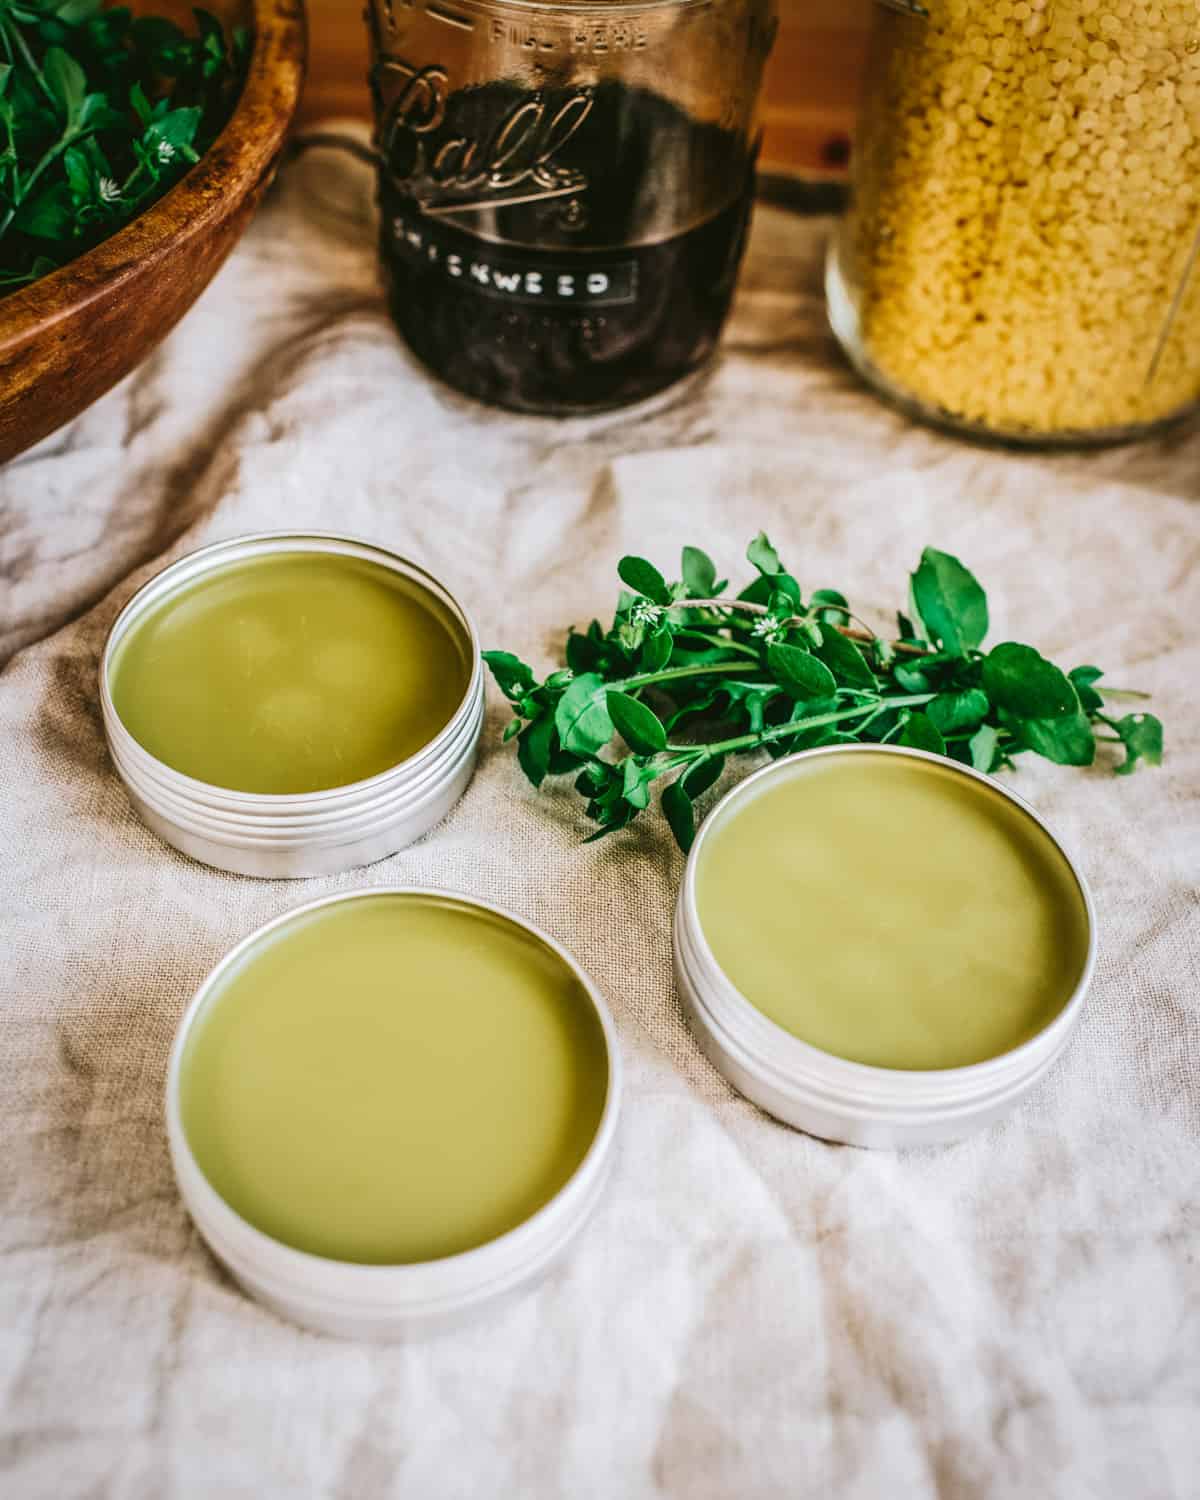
(393, 1078)
(892, 911)
(291, 672)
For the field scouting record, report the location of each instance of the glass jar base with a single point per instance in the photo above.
(648, 399)
(846, 327)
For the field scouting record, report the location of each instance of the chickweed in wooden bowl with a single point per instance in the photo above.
(133, 152)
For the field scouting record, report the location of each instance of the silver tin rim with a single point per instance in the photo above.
(295, 834)
(344, 1297)
(832, 1097)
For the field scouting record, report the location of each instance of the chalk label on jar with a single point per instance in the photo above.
(474, 264)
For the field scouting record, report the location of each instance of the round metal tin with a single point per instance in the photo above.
(829, 1096)
(313, 833)
(381, 1301)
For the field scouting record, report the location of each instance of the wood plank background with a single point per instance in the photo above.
(811, 90)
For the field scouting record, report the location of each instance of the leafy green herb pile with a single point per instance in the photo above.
(685, 678)
(99, 115)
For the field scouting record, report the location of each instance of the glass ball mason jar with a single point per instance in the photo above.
(1020, 256)
(565, 188)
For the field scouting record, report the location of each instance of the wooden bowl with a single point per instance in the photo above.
(69, 337)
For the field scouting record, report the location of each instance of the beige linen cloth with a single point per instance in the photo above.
(752, 1313)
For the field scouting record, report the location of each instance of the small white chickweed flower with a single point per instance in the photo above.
(645, 613)
(768, 629)
(166, 152)
(109, 190)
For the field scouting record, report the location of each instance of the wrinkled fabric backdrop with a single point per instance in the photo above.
(752, 1313)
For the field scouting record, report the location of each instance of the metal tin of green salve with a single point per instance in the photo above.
(831, 1096)
(396, 1300)
(310, 833)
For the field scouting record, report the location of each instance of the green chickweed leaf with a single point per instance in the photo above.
(949, 601)
(79, 172)
(634, 789)
(911, 679)
(1021, 681)
(763, 556)
(644, 578)
(1068, 741)
(66, 80)
(768, 586)
(782, 603)
(703, 775)
(982, 745)
(678, 799)
(921, 733)
(953, 712)
(512, 675)
(1038, 703)
(582, 718)
(638, 726)
(813, 634)
(656, 650)
(1084, 680)
(1142, 736)
(799, 672)
(844, 659)
(140, 104)
(680, 814)
(699, 573)
(776, 678)
(96, 114)
(533, 749)
(47, 216)
(74, 12)
(833, 607)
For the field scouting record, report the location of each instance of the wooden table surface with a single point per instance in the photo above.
(811, 91)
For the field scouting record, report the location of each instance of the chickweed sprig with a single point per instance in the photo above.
(686, 677)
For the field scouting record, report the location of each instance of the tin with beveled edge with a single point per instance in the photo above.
(389, 1302)
(831, 1097)
(292, 836)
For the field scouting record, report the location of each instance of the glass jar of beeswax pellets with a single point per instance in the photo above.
(1021, 255)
